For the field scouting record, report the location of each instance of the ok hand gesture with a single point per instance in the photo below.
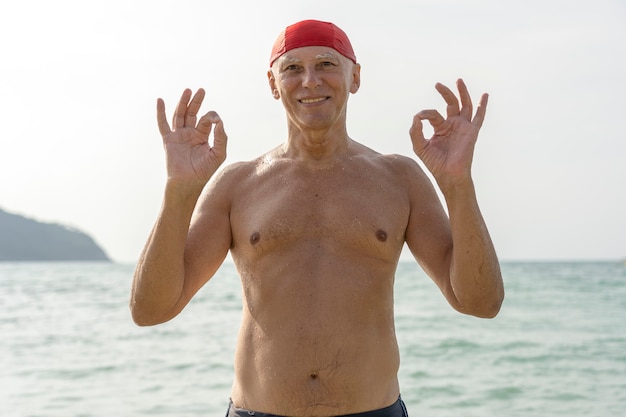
(448, 153)
(190, 159)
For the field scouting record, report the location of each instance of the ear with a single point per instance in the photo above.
(272, 81)
(356, 78)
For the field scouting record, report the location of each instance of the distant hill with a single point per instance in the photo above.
(23, 239)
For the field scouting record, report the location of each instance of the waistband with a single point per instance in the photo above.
(397, 409)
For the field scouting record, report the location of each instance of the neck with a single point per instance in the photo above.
(317, 146)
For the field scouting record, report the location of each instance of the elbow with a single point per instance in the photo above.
(142, 321)
(489, 309)
(139, 318)
(485, 309)
(143, 318)
(496, 303)
(490, 312)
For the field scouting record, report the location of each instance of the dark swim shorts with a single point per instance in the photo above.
(397, 409)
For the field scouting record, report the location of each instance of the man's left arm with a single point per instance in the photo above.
(466, 267)
(475, 276)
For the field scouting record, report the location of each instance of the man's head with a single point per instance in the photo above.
(313, 70)
(312, 33)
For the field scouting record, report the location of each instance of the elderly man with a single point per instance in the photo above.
(315, 227)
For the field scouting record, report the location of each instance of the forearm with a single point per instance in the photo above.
(475, 275)
(160, 273)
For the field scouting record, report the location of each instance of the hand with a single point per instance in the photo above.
(448, 153)
(190, 158)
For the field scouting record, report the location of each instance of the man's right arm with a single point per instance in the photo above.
(182, 253)
(160, 273)
(174, 264)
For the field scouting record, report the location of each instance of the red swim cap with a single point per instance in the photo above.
(312, 33)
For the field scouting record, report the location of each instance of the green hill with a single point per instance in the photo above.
(24, 239)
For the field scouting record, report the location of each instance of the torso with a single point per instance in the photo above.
(317, 251)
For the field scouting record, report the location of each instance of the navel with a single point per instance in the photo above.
(313, 375)
(381, 235)
(254, 238)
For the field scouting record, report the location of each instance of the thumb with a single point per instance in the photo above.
(220, 139)
(417, 135)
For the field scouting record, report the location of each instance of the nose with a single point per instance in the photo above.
(311, 79)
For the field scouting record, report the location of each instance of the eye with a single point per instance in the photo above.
(291, 68)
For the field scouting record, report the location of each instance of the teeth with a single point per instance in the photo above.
(312, 100)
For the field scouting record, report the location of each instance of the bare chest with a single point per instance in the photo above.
(353, 210)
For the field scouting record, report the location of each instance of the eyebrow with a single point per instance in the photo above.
(287, 59)
(325, 55)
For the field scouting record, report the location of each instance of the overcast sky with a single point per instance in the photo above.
(79, 82)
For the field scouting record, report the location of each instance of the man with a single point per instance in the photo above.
(315, 228)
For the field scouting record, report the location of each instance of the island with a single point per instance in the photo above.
(24, 239)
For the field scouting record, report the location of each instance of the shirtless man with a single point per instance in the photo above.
(315, 228)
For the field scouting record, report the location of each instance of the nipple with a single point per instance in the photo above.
(254, 238)
(381, 235)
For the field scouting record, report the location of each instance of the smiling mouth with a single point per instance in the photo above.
(312, 100)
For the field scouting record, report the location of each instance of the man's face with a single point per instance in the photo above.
(314, 83)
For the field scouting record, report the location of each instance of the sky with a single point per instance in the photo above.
(79, 82)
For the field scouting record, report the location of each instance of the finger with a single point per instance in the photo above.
(164, 127)
(466, 101)
(416, 133)
(192, 109)
(433, 116)
(481, 110)
(453, 103)
(206, 122)
(179, 115)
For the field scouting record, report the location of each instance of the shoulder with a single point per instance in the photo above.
(226, 183)
(401, 167)
(237, 173)
(402, 164)
(392, 160)
(232, 173)
(238, 177)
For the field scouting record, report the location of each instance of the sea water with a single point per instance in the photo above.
(68, 346)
